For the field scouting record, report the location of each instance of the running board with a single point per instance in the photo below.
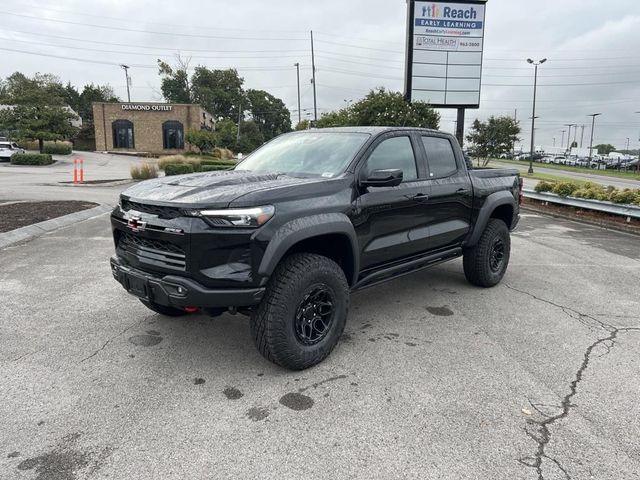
(411, 266)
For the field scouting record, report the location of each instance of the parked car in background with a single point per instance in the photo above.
(8, 150)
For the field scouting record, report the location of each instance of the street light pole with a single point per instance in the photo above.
(533, 115)
(297, 65)
(593, 124)
(569, 144)
(126, 74)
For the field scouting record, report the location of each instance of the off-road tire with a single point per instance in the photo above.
(477, 261)
(273, 324)
(162, 309)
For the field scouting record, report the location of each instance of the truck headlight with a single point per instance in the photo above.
(239, 217)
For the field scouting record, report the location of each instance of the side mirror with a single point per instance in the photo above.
(383, 178)
(468, 162)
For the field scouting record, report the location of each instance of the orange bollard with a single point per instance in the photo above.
(75, 170)
(81, 170)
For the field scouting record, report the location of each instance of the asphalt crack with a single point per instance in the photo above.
(585, 319)
(542, 433)
(110, 340)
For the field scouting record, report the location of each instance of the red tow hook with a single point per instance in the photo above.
(191, 309)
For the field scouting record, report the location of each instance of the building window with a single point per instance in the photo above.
(172, 135)
(123, 134)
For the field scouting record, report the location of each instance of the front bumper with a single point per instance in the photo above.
(180, 292)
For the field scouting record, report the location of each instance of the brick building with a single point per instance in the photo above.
(157, 128)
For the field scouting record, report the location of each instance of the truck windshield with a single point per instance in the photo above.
(311, 153)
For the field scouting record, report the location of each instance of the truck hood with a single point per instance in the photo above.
(212, 189)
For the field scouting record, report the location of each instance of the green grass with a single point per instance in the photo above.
(567, 168)
(549, 178)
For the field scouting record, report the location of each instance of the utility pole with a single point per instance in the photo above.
(239, 120)
(126, 74)
(569, 135)
(562, 142)
(533, 114)
(513, 145)
(581, 135)
(297, 65)
(593, 124)
(313, 80)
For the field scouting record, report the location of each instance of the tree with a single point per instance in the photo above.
(175, 85)
(574, 144)
(203, 139)
(383, 108)
(40, 122)
(226, 134)
(250, 137)
(38, 108)
(494, 137)
(269, 113)
(604, 148)
(219, 92)
(303, 125)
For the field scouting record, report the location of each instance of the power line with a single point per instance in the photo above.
(73, 47)
(86, 60)
(171, 34)
(125, 20)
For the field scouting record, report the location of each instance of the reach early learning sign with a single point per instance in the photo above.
(444, 60)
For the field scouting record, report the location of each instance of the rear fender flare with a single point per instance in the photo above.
(304, 228)
(492, 202)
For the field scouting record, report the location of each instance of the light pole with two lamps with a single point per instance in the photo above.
(533, 115)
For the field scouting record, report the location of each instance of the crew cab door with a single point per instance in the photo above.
(450, 202)
(390, 221)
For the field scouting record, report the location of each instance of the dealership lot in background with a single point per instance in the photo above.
(434, 378)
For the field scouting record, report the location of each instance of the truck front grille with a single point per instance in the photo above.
(161, 212)
(153, 252)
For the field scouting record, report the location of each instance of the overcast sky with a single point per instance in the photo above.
(592, 49)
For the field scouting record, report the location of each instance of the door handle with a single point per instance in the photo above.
(462, 191)
(420, 197)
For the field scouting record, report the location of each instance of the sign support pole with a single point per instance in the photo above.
(460, 126)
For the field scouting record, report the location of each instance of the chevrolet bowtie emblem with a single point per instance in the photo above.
(135, 224)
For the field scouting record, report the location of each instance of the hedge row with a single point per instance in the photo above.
(196, 162)
(32, 159)
(178, 169)
(213, 167)
(57, 148)
(591, 191)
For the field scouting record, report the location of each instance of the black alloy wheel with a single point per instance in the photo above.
(314, 316)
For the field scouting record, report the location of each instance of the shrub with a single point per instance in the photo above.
(217, 162)
(31, 159)
(144, 171)
(564, 189)
(202, 139)
(170, 160)
(178, 169)
(223, 153)
(57, 148)
(212, 168)
(626, 196)
(544, 186)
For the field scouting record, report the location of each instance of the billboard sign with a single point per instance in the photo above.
(444, 52)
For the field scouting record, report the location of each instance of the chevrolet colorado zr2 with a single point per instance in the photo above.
(306, 219)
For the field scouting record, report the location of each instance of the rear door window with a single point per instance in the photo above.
(440, 157)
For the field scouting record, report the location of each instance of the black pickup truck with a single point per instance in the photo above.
(304, 220)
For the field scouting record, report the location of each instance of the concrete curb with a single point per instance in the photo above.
(38, 229)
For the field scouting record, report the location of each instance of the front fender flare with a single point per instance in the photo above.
(492, 202)
(304, 228)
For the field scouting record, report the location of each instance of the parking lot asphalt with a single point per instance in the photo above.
(536, 378)
(54, 182)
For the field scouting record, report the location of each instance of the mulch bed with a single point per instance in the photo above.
(616, 222)
(18, 215)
